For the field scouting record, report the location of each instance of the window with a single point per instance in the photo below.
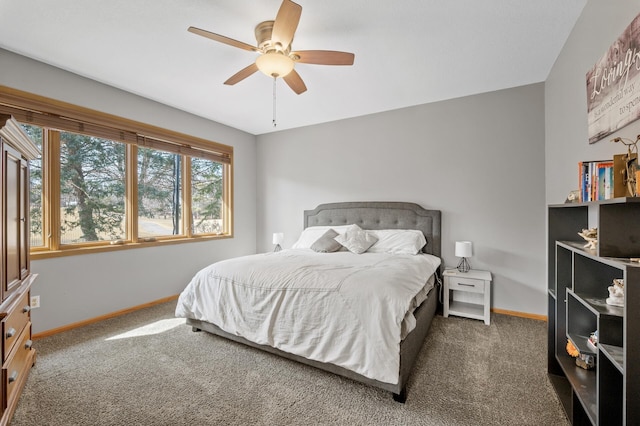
(92, 189)
(159, 193)
(106, 183)
(206, 196)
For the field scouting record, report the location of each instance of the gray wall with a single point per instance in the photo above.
(566, 139)
(76, 288)
(479, 159)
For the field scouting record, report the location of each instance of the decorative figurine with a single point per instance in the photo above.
(572, 350)
(573, 197)
(631, 164)
(586, 361)
(616, 293)
(591, 236)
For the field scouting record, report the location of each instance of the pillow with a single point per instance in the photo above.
(311, 234)
(398, 241)
(356, 240)
(326, 243)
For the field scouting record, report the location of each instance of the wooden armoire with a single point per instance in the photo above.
(18, 355)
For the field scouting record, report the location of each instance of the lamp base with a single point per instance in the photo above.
(463, 266)
(277, 248)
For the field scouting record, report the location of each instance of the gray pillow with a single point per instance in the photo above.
(326, 243)
(357, 240)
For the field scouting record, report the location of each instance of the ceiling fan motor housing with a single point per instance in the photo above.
(263, 33)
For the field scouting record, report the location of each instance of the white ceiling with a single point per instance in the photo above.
(407, 52)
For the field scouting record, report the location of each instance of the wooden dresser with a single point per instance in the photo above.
(16, 278)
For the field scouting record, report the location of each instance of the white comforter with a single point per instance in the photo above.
(338, 308)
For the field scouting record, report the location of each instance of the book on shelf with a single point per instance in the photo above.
(596, 180)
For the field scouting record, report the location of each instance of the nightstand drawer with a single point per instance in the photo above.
(466, 284)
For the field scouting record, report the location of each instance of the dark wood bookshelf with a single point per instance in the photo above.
(578, 278)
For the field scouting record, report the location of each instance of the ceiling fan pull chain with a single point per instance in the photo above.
(274, 101)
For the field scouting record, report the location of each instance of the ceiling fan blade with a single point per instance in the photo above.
(295, 82)
(242, 74)
(284, 27)
(222, 39)
(324, 57)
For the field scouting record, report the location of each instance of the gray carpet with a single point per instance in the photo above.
(147, 368)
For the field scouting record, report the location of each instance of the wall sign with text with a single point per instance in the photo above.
(613, 85)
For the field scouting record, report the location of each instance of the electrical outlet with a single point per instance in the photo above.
(35, 302)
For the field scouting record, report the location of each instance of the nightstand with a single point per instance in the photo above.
(467, 294)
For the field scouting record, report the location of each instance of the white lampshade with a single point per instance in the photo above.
(278, 238)
(464, 248)
(275, 64)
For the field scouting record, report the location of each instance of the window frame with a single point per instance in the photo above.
(56, 116)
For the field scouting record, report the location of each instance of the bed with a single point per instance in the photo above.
(351, 357)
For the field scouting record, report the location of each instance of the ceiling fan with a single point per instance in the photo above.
(274, 45)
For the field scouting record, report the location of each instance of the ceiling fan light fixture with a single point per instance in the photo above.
(275, 64)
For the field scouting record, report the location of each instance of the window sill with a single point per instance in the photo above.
(74, 251)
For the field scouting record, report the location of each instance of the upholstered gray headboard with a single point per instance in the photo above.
(380, 215)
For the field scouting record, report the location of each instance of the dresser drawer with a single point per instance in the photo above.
(15, 321)
(466, 284)
(16, 368)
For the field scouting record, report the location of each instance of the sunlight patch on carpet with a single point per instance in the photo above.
(154, 328)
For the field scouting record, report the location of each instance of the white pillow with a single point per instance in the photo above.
(311, 234)
(398, 241)
(356, 240)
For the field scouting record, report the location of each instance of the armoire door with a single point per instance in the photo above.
(23, 189)
(13, 201)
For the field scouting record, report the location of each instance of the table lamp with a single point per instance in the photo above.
(464, 249)
(278, 238)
